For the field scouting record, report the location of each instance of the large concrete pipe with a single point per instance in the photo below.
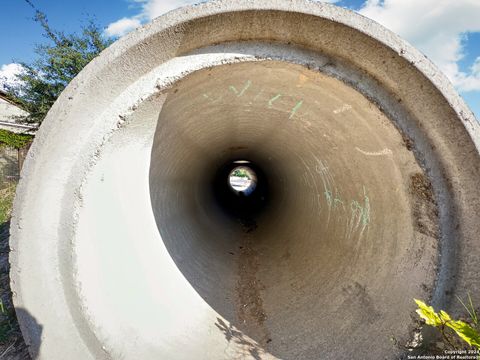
(130, 243)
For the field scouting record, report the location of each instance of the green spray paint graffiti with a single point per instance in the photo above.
(357, 219)
(241, 92)
(273, 99)
(295, 108)
(360, 215)
(278, 102)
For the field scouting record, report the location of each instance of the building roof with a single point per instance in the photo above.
(4, 96)
(10, 114)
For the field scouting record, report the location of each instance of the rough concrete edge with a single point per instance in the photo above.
(334, 13)
(327, 11)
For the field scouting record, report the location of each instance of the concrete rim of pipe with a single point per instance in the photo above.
(119, 249)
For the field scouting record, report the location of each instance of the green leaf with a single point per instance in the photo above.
(466, 332)
(444, 316)
(428, 314)
(461, 328)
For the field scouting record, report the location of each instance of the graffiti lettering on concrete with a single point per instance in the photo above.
(273, 99)
(280, 102)
(295, 108)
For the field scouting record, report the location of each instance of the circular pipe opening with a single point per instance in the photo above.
(242, 180)
(241, 189)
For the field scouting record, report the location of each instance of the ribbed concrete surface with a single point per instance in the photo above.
(372, 166)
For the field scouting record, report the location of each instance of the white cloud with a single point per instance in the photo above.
(436, 27)
(150, 9)
(155, 8)
(8, 73)
(122, 26)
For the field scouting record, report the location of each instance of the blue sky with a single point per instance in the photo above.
(447, 31)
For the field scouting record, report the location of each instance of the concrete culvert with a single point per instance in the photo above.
(128, 242)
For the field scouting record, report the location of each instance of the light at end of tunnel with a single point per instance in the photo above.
(242, 180)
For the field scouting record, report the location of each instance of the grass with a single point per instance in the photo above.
(6, 200)
(471, 310)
